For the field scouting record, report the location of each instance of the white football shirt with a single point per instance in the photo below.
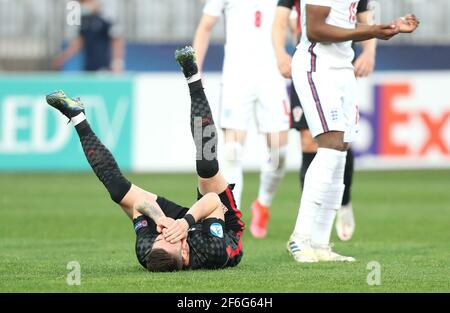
(329, 55)
(248, 31)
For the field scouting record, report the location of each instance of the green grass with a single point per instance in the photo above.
(47, 220)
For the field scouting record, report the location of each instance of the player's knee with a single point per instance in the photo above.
(332, 140)
(139, 201)
(212, 198)
(276, 160)
(282, 155)
(118, 188)
(233, 153)
(207, 169)
(340, 146)
(335, 146)
(309, 145)
(142, 200)
(277, 139)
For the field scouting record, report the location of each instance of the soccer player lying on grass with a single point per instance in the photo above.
(171, 237)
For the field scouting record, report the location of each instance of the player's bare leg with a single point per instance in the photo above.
(272, 172)
(99, 157)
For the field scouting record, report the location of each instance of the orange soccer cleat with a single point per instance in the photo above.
(260, 219)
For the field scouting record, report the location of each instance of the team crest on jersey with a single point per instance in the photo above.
(334, 113)
(216, 230)
(297, 113)
(224, 208)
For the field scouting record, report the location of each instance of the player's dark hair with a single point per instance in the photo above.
(159, 260)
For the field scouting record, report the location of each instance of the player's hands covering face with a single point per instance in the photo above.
(177, 231)
(164, 223)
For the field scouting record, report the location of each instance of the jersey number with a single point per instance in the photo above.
(353, 9)
(258, 19)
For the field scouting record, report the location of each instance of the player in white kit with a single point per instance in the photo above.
(323, 74)
(252, 87)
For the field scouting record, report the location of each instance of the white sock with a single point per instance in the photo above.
(324, 219)
(232, 169)
(78, 119)
(318, 181)
(272, 172)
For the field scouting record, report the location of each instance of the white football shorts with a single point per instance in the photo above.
(264, 98)
(328, 99)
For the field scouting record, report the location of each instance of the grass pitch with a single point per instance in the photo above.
(48, 220)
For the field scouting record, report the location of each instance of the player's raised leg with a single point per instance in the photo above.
(204, 132)
(203, 129)
(99, 157)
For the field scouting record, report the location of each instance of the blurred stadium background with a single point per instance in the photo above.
(404, 106)
(141, 115)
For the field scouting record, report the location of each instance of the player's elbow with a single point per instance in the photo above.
(203, 29)
(278, 33)
(207, 23)
(317, 31)
(313, 35)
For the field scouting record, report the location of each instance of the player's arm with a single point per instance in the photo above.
(319, 31)
(202, 38)
(365, 63)
(118, 54)
(117, 47)
(74, 46)
(293, 24)
(209, 206)
(279, 35)
(149, 207)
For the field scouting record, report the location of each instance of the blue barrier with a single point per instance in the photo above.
(154, 58)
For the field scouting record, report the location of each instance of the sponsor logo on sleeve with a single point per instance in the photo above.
(140, 225)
